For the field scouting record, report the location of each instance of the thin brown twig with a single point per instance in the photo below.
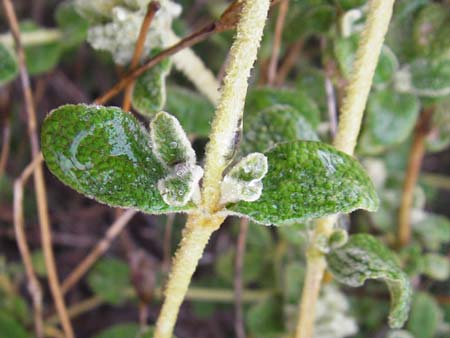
(238, 287)
(6, 137)
(152, 8)
(416, 155)
(272, 71)
(34, 286)
(38, 175)
(98, 250)
(289, 62)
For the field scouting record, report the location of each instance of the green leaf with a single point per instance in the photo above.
(349, 4)
(8, 65)
(43, 57)
(38, 260)
(439, 137)
(436, 266)
(425, 316)
(192, 110)
(424, 77)
(386, 68)
(275, 124)
(364, 257)
(433, 231)
(149, 91)
(308, 180)
(109, 279)
(105, 154)
(10, 328)
(73, 25)
(266, 318)
(391, 117)
(432, 32)
(127, 330)
(259, 99)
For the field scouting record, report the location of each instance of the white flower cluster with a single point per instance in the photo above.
(116, 24)
(332, 318)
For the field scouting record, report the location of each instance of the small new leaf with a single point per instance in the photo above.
(170, 143)
(364, 257)
(179, 187)
(149, 92)
(106, 154)
(243, 182)
(307, 180)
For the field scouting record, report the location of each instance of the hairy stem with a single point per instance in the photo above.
(38, 37)
(357, 92)
(196, 235)
(219, 153)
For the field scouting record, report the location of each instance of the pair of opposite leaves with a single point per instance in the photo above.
(108, 155)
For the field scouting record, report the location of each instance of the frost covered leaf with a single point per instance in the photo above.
(8, 65)
(193, 111)
(273, 125)
(178, 188)
(260, 98)
(425, 77)
(307, 180)
(364, 257)
(425, 316)
(149, 91)
(391, 116)
(243, 182)
(170, 143)
(109, 279)
(105, 154)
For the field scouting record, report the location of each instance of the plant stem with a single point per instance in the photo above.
(282, 11)
(416, 155)
(227, 124)
(34, 287)
(38, 175)
(152, 8)
(196, 235)
(220, 150)
(239, 326)
(39, 37)
(357, 92)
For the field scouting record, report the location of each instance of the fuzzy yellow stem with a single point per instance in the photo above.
(202, 223)
(357, 92)
(196, 234)
(227, 123)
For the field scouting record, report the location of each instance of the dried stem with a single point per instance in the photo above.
(6, 136)
(372, 38)
(239, 326)
(282, 11)
(289, 62)
(152, 8)
(34, 286)
(38, 175)
(416, 155)
(101, 247)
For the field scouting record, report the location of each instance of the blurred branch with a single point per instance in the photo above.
(416, 155)
(282, 11)
(238, 287)
(38, 37)
(38, 174)
(34, 286)
(289, 62)
(152, 8)
(98, 250)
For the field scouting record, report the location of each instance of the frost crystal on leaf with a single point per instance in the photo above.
(116, 25)
(243, 182)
